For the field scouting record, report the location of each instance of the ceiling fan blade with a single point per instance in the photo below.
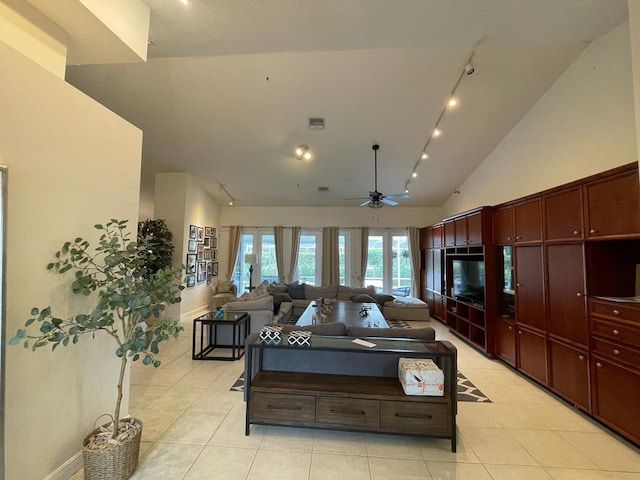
(398, 195)
(364, 204)
(389, 202)
(356, 198)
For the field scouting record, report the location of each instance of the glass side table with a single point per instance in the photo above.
(205, 328)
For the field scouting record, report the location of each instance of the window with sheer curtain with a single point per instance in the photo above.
(388, 262)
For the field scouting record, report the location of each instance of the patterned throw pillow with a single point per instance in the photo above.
(296, 290)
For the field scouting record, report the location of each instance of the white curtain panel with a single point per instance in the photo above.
(278, 235)
(234, 246)
(414, 255)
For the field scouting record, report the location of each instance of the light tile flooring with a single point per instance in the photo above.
(194, 428)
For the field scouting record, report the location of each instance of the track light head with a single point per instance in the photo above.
(469, 69)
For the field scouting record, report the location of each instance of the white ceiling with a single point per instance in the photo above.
(230, 84)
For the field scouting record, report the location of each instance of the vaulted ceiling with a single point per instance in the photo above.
(229, 87)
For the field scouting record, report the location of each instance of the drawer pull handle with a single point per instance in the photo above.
(518, 238)
(519, 332)
(414, 415)
(284, 407)
(616, 312)
(593, 230)
(616, 331)
(347, 412)
(598, 364)
(616, 352)
(510, 327)
(508, 238)
(576, 232)
(578, 294)
(580, 357)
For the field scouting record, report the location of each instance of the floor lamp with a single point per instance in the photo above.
(250, 258)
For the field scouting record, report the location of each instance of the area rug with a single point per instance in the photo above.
(467, 391)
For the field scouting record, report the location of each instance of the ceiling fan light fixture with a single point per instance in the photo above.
(303, 152)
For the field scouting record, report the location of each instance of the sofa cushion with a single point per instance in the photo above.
(313, 292)
(426, 333)
(296, 290)
(281, 297)
(225, 286)
(362, 298)
(382, 298)
(329, 329)
(262, 303)
(345, 292)
(277, 288)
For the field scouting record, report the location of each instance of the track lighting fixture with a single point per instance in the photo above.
(222, 189)
(469, 69)
(303, 152)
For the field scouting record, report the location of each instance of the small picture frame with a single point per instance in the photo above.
(208, 231)
(214, 254)
(213, 232)
(209, 273)
(191, 263)
(214, 269)
(193, 231)
(202, 272)
(200, 252)
(191, 280)
(214, 243)
(207, 254)
(192, 246)
(200, 234)
(207, 242)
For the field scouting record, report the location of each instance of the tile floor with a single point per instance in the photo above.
(194, 428)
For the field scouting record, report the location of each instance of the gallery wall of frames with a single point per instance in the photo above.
(202, 255)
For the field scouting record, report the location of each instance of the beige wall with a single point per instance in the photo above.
(72, 163)
(582, 125)
(634, 34)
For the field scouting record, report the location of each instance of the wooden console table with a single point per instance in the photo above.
(341, 385)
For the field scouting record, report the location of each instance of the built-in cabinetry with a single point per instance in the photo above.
(558, 253)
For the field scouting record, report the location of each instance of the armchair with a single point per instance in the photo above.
(224, 291)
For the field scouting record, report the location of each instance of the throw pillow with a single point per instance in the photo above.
(426, 333)
(296, 291)
(225, 286)
(262, 303)
(277, 288)
(330, 329)
(261, 290)
(362, 298)
(281, 297)
(382, 298)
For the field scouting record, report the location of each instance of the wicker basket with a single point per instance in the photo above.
(117, 462)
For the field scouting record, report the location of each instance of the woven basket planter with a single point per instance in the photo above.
(115, 462)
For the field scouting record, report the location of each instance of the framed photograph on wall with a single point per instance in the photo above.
(208, 231)
(192, 246)
(200, 253)
(202, 272)
(207, 242)
(214, 243)
(207, 254)
(214, 254)
(191, 280)
(209, 273)
(191, 263)
(200, 234)
(214, 269)
(213, 232)
(193, 231)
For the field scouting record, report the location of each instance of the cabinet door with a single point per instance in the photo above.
(437, 270)
(506, 340)
(566, 301)
(529, 286)
(426, 238)
(612, 206)
(528, 222)
(570, 373)
(438, 232)
(474, 229)
(460, 227)
(617, 396)
(503, 226)
(429, 269)
(563, 215)
(532, 354)
(449, 234)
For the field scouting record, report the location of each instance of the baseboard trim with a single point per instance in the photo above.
(68, 469)
(195, 313)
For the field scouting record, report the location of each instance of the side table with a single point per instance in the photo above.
(206, 329)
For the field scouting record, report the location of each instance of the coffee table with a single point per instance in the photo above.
(346, 312)
(240, 322)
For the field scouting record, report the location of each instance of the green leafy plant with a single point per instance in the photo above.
(160, 241)
(129, 300)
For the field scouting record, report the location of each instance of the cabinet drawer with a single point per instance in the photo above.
(415, 417)
(354, 412)
(616, 352)
(286, 408)
(615, 311)
(617, 332)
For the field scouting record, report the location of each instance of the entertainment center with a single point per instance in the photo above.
(561, 289)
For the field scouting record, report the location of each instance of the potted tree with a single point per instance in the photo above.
(160, 240)
(128, 298)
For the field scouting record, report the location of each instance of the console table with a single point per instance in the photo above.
(206, 329)
(341, 385)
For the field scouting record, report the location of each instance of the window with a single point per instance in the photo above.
(388, 262)
(261, 242)
(309, 257)
(344, 257)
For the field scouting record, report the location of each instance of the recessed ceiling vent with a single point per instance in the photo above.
(323, 189)
(316, 123)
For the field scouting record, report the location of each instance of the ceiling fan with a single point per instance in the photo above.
(377, 199)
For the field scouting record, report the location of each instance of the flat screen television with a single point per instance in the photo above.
(468, 280)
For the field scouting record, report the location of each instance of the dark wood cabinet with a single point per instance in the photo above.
(570, 373)
(566, 299)
(563, 215)
(612, 206)
(532, 354)
(503, 226)
(474, 229)
(467, 230)
(437, 236)
(529, 286)
(505, 334)
(528, 221)
(449, 234)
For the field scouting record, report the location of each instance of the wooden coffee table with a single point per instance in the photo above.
(346, 312)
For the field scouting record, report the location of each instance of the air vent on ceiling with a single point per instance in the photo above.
(316, 123)
(323, 189)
